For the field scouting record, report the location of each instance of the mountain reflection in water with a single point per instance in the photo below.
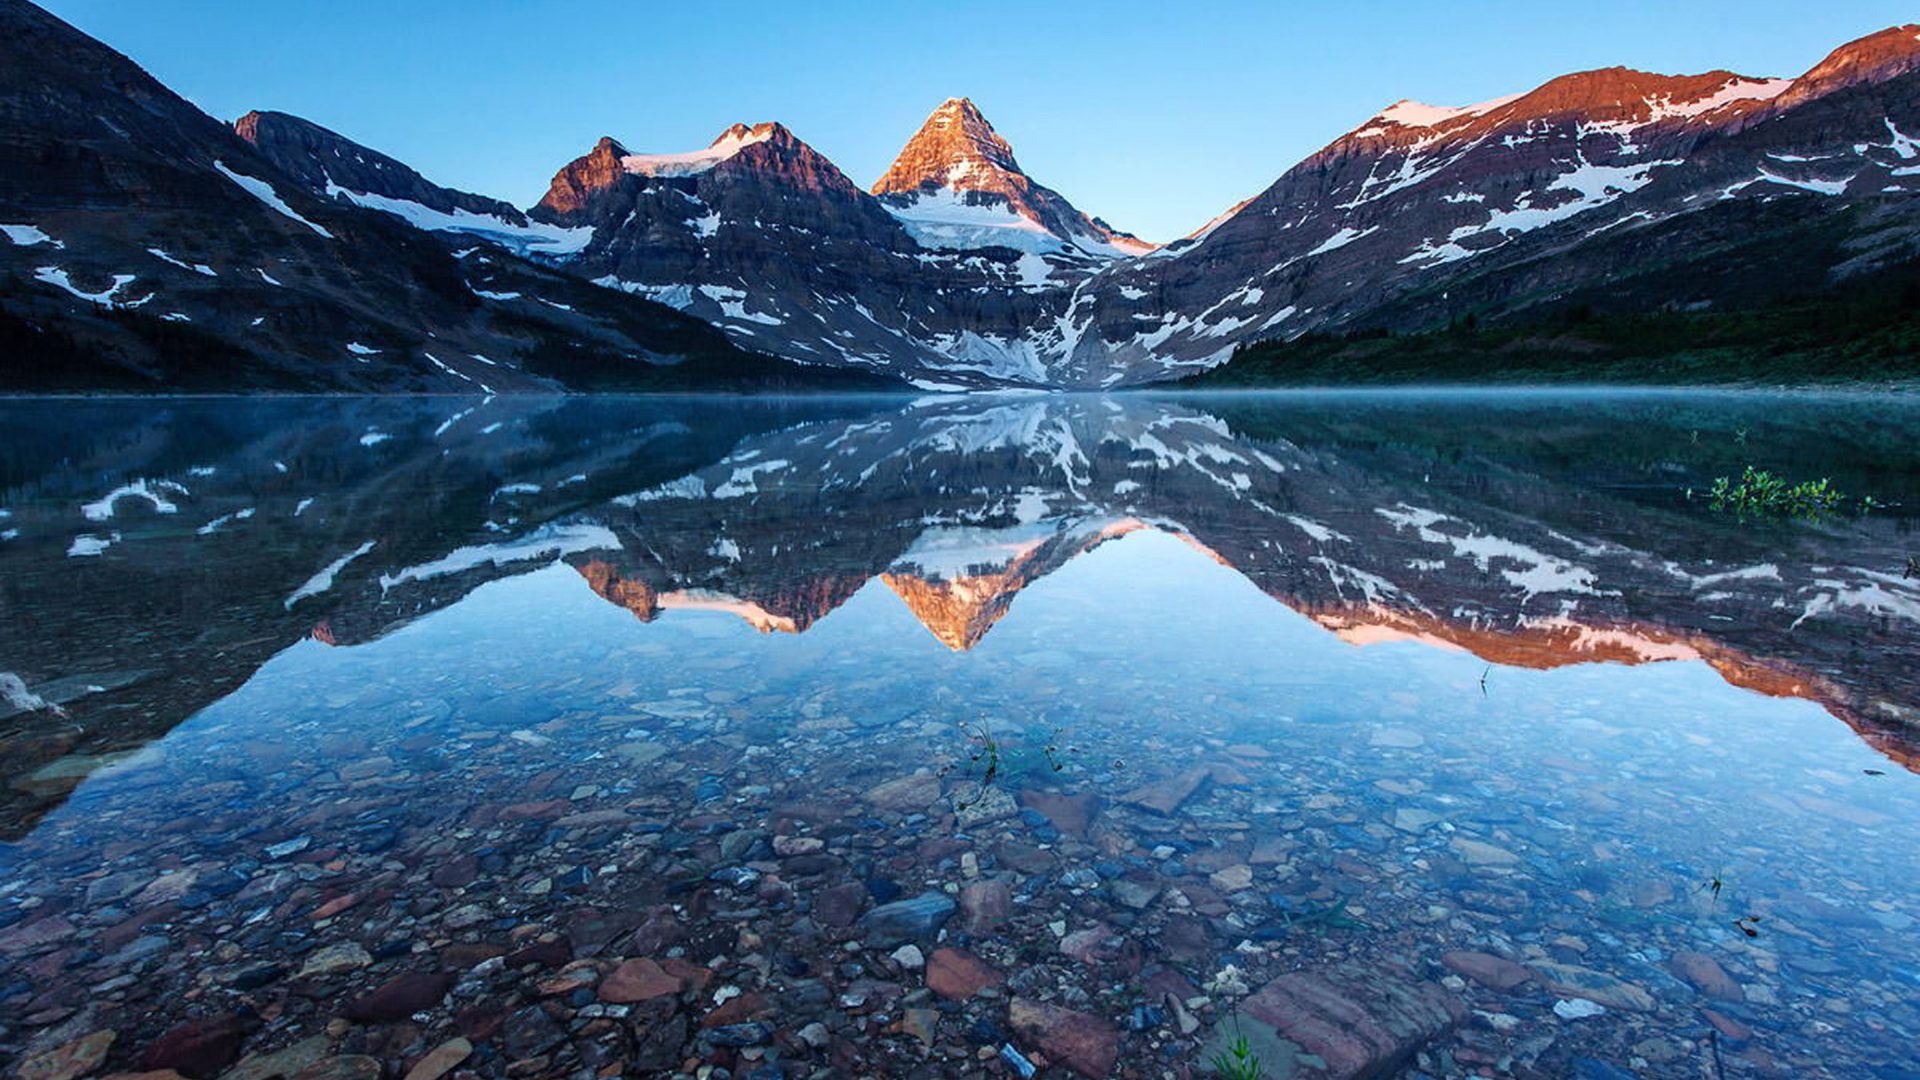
(1399, 743)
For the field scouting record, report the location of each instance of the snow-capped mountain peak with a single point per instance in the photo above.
(729, 143)
(956, 184)
(957, 149)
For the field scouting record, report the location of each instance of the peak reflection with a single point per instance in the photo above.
(1380, 519)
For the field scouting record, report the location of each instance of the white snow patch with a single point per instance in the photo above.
(86, 545)
(1414, 114)
(58, 278)
(263, 191)
(695, 162)
(323, 580)
(1341, 239)
(547, 542)
(687, 487)
(531, 238)
(27, 236)
(198, 268)
(746, 479)
(1818, 187)
(213, 526)
(155, 492)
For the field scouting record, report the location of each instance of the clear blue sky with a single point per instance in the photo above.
(1155, 116)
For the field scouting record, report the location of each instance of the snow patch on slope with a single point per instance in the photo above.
(263, 191)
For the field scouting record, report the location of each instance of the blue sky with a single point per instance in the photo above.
(1155, 116)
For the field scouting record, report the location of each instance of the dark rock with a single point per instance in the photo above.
(199, 1048)
(751, 1034)
(529, 1032)
(1087, 1044)
(906, 920)
(400, 997)
(839, 905)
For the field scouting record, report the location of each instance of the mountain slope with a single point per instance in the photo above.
(149, 247)
(1426, 212)
(330, 165)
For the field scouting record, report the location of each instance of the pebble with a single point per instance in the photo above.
(335, 959)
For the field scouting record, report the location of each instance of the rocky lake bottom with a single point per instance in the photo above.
(738, 787)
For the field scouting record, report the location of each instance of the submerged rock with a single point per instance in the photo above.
(1165, 796)
(906, 920)
(1578, 982)
(1337, 1024)
(1083, 1042)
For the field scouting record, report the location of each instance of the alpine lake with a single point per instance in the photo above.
(1366, 734)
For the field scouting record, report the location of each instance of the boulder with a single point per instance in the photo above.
(1337, 1024)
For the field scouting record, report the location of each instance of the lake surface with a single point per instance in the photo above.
(1437, 735)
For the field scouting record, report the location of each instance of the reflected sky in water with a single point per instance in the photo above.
(1345, 686)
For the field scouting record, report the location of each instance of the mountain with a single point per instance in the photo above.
(1612, 190)
(150, 247)
(956, 185)
(765, 237)
(1642, 191)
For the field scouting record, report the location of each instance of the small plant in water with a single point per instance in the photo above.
(1759, 493)
(1237, 1061)
(1713, 887)
(987, 750)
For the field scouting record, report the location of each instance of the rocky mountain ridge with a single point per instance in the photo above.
(1591, 183)
(1614, 188)
(150, 247)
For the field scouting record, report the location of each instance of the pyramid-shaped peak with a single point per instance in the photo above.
(955, 148)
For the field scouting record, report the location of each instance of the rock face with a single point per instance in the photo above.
(1357, 1027)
